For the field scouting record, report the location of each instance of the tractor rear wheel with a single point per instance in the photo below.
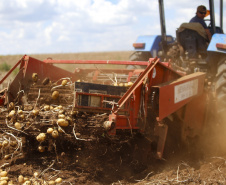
(221, 88)
(139, 56)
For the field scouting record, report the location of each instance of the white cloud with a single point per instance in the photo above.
(104, 12)
(52, 26)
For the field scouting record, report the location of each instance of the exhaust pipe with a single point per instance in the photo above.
(163, 26)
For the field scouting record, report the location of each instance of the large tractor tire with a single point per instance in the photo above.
(215, 130)
(139, 56)
(221, 89)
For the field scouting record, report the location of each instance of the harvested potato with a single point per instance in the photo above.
(3, 173)
(61, 111)
(20, 111)
(61, 116)
(4, 182)
(5, 143)
(35, 112)
(12, 113)
(49, 130)
(64, 82)
(4, 178)
(60, 107)
(62, 122)
(51, 183)
(21, 179)
(55, 134)
(46, 107)
(36, 174)
(27, 183)
(21, 116)
(41, 137)
(11, 106)
(18, 126)
(58, 180)
(55, 95)
(41, 148)
(115, 84)
(35, 77)
(130, 84)
(6, 157)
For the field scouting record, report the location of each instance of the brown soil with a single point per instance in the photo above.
(97, 158)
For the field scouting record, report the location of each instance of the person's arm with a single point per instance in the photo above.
(208, 34)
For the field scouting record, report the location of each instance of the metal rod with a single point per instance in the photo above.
(96, 62)
(221, 14)
(212, 16)
(162, 23)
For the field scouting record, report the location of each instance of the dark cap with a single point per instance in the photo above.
(201, 8)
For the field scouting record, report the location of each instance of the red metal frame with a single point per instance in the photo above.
(189, 86)
(174, 92)
(157, 77)
(155, 73)
(115, 62)
(136, 85)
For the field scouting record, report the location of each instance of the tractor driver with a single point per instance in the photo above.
(200, 14)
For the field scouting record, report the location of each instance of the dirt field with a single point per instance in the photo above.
(103, 160)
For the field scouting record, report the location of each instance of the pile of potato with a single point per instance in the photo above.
(35, 180)
(45, 122)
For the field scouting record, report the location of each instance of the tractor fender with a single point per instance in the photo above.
(151, 43)
(217, 39)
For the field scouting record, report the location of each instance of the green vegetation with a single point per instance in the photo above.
(5, 67)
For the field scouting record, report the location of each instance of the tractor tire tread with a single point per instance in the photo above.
(221, 88)
(138, 56)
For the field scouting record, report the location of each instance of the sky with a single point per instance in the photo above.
(73, 26)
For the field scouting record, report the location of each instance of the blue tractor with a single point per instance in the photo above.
(190, 52)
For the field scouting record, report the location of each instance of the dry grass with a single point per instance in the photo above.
(119, 55)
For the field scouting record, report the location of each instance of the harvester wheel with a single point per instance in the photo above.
(139, 56)
(221, 88)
